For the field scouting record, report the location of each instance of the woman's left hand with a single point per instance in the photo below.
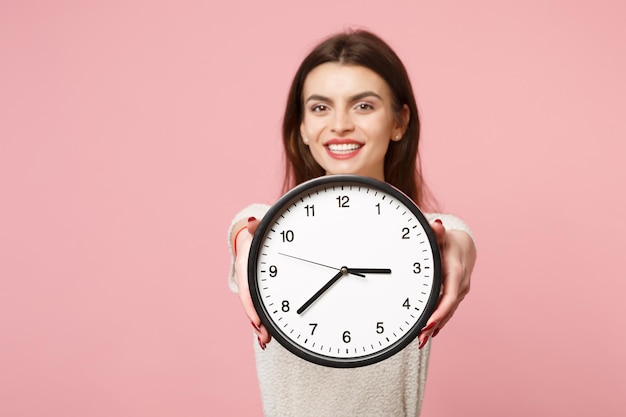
(458, 255)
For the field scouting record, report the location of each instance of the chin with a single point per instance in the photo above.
(343, 171)
(355, 172)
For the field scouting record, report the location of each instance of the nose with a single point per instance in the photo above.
(341, 122)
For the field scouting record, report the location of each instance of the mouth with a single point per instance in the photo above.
(343, 148)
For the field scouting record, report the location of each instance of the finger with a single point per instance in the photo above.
(446, 308)
(264, 335)
(253, 223)
(426, 332)
(440, 231)
(260, 330)
(453, 293)
(447, 305)
(246, 301)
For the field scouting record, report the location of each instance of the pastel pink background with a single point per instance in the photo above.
(132, 131)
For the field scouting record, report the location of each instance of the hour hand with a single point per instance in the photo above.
(369, 270)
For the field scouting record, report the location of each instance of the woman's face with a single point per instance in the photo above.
(349, 120)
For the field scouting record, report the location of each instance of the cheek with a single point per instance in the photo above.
(315, 148)
(317, 152)
(378, 127)
(385, 127)
(311, 127)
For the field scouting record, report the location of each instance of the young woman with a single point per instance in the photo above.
(351, 110)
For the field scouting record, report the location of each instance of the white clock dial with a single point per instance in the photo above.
(344, 271)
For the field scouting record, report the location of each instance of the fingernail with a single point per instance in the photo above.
(430, 326)
(424, 342)
(251, 218)
(255, 326)
(260, 343)
(436, 332)
(438, 221)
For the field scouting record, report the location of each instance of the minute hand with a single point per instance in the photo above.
(369, 270)
(322, 290)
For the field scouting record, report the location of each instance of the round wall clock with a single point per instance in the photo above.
(344, 271)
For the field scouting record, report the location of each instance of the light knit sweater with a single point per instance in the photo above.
(293, 387)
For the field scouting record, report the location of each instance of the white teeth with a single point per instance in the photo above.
(343, 147)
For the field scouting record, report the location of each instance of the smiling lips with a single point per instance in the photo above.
(342, 148)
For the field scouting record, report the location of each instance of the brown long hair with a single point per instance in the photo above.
(359, 47)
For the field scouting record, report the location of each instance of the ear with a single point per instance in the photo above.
(402, 122)
(305, 140)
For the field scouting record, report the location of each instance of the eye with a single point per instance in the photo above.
(318, 108)
(364, 106)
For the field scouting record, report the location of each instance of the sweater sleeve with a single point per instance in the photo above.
(253, 210)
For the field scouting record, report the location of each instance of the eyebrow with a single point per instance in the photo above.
(355, 97)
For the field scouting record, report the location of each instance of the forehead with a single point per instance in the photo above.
(336, 80)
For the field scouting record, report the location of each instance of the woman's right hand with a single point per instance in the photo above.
(242, 245)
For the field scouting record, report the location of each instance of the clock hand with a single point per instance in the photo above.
(369, 270)
(317, 263)
(343, 271)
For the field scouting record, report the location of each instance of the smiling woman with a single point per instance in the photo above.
(351, 110)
